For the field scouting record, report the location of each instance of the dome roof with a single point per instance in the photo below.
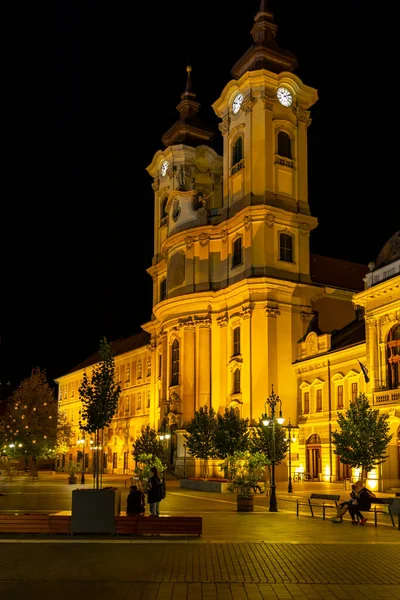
(390, 252)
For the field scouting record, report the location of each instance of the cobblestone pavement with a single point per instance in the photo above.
(240, 556)
(156, 570)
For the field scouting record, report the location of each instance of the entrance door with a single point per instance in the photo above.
(313, 456)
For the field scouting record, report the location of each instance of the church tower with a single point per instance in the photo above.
(232, 292)
(265, 116)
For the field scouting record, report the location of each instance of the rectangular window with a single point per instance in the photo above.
(127, 405)
(60, 392)
(148, 399)
(236, 382)
(139, 369)
(354, 391)
(126, 459)
(237, 252)
(159, 365)
(115, 460)
(148, 373)
(175, 363)
(285, 247)
(236, 341)
(139, 402)
(319, 401)
(128, 374)
(306, 403)
(72, 389)
(65, 392)
(339, 396)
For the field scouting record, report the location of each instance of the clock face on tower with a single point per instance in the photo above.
(164, 168)
(284, 96)
(237, 103)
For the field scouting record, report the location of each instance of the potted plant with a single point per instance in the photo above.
(94, 510)
(245, 470)
(72, 468)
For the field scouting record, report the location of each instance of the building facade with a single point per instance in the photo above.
(236, 292)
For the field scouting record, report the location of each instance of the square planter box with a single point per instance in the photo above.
(94, 511)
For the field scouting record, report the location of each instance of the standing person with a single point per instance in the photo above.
(135, 502)
(364, 501)
(154, 492)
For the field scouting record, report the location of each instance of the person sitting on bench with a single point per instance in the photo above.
(135, 502)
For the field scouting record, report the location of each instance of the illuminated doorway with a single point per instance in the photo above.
(313, 457)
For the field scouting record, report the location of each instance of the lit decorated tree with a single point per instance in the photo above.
(32, 427)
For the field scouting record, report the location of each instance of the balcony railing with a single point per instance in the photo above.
(387, 397)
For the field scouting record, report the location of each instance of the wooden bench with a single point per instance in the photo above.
(163, 525)
(20, 523)
(325, 501)
(60, 522)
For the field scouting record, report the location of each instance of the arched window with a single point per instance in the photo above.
(237, 155)
(236, 382)
(284, 145)
(393, 357)
(175, 363)
(237, 252)
(285, 247)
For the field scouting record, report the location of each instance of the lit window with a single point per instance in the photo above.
(236, 382)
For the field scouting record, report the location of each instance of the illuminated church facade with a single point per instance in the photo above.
(239, 302)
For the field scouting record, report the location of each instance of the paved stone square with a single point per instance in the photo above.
(239, 556)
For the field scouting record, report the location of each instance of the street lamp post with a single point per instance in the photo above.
(184, 461)
(291, 439)
(81, 442)
(272, 401)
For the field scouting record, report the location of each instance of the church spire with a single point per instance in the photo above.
(188, 129)
(264, 53)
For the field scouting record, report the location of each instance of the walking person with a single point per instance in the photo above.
(135, 502)
(154, 492)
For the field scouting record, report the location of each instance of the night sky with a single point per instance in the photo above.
(90, 88)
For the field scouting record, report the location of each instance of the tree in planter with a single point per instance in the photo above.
(99, 395)
(32, 421)
(261, 440)
(245, 470)
(363, 437)
(231, 435)
(200, 436)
